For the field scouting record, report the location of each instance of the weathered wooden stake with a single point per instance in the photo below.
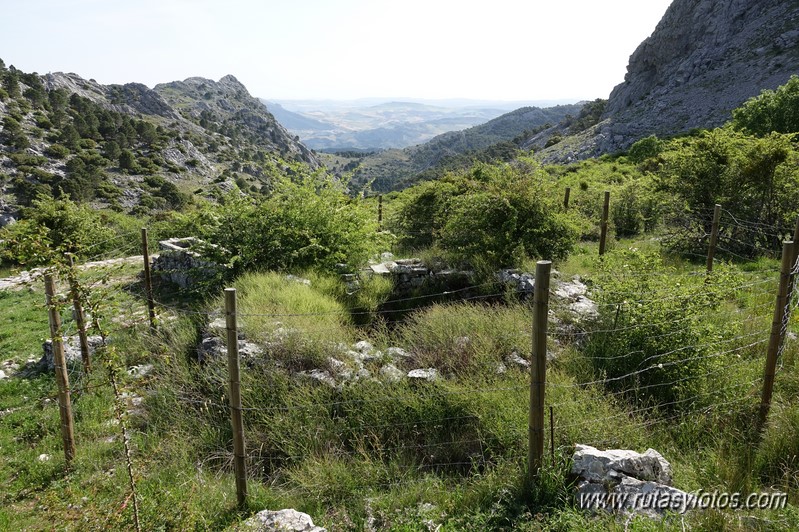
(80, 317)
(714, 237)
(566, 198)
(379, 212)
(148, 280)
(603, 228)
(792, 281)
(777, 331)
(235, 396)
(60, 363)
(552, 433)
(538, 365)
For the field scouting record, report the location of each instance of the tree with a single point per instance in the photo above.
(127, 161)
(771, 111)
(13, 134)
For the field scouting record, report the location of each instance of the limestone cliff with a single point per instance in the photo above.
(704, 59)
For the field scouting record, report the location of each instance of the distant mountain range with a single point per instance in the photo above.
(371, 124)
(392, 169)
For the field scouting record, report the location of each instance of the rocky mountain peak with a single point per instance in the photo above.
(705, 58)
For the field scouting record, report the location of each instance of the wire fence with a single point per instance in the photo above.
(437, 424)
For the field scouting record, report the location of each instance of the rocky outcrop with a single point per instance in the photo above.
(72, 352)
(705, 58)
(131, 98)
(226, 106)
(623, 481)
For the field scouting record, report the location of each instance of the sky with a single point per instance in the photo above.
(339, 49)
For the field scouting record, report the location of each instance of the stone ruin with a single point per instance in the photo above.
(181, 262)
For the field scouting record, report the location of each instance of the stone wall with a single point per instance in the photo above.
(180, 262)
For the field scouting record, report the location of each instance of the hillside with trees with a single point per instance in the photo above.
(497, 139)
(135, 150)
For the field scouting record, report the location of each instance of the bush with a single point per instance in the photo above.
(771, 111)
(656, 343)
(300, 225)
(645, 148)
(755, 179)
(488, 217)
(57, 151)
(51, 228)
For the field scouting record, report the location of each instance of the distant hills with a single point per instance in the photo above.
(497, 138)
(374, 124)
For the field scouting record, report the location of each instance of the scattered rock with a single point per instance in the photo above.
(44, 457)
(3, 375)
(515, 360)
(211, 347)
(623, 481)
(391, 373)
(397, 352)
(605, 466)
(138, 372)
(319, 375)
(521, 282)
(363, 346)
(71, 351)
(300, 280)
(289, 520)
(429, 374)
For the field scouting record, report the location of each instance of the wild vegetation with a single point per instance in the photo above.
(672, 360)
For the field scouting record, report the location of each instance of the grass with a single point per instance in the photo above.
(392, 455)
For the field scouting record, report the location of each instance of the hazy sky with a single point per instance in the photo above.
(339, 49)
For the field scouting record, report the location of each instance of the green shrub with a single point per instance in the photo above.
(57, 151)
(300, 225)
(656, 341)
(488, 217)
(754, 179)
(644, 149)
(771, 111)
(51, 228)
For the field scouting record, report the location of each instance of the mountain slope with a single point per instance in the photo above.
(393, 169)
(133, 148)
(704, 59)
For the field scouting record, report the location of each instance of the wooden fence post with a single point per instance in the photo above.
(777, 331)
(792, 281)
(566, 198)
(714, 237)
(148, 280)
(80, 318)
(552, 433)
(538, 365)
(60, 363)
(235, 396)
(603, 228)
(379, 213)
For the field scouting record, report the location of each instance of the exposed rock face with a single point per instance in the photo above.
(705, 58)
(225, 105)
(131, 98)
